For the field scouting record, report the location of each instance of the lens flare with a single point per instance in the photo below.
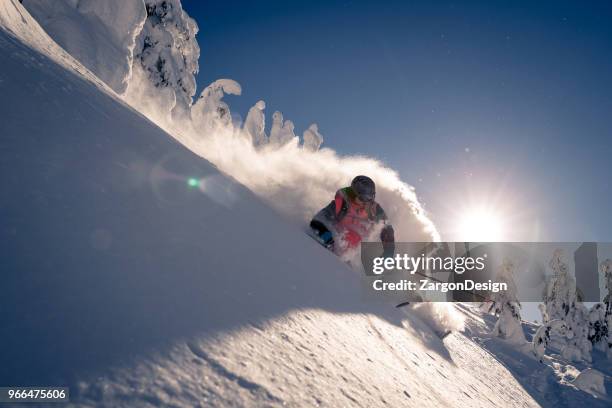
(193, 182)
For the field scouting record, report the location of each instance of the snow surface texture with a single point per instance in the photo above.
(295, 178)
(144, 277)
(506, 306)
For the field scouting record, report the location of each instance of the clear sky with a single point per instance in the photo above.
(506, 105)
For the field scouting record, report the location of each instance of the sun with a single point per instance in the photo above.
(480, 224)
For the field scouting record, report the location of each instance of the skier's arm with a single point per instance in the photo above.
(333, 212)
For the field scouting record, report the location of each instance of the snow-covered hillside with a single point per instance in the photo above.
(137, 274)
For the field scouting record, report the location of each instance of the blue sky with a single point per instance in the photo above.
(503, 103)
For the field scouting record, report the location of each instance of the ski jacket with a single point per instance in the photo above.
(354, 220)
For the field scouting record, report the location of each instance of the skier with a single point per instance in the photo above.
(351, 217)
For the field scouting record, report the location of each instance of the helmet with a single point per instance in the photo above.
(364, 188)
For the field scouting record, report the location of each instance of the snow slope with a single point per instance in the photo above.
(134, 288)
(104, 238)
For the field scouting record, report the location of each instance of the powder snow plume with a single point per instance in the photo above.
(158, 38)
(294, 179)
(440, 316)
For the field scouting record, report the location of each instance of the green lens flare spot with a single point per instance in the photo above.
(193, 182)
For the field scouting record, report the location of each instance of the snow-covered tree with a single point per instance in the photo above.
(560, 294)
(282, 132)
(506, 306)
(606, 270)
(167, 51)
(287, 133)
(600, 315)
(312, 138)
(277, 125)
(577, 344)
(210, 110)
(561, 305)
(542, 336)
(255, 124)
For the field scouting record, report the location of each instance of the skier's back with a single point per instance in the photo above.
(351, 217)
